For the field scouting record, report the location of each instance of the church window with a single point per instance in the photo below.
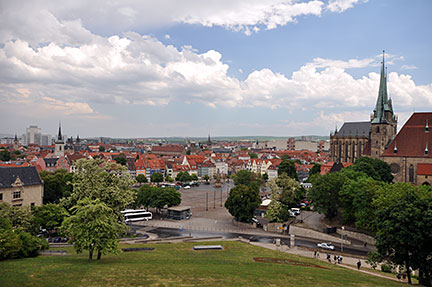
(353, 152)
(377, 130)
(411, 173)
(1, 196)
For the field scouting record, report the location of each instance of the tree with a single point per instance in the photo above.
(253, 155)
(194, 177)
(5, 155)
(242, 202)
(20, 218)
(375, 168)
(206, 177)
(93, 227)
(109, 182)
(183, 176)
(49, 216)
(56, 185)
(169, 179)
(246, 177)
(166, 197)
(156, 177)
(101, 148)
(120, 160)
(324, 193)
(141, 178)
(288, 167)
(315, 169)
(265, 177)
(144, 196)
(404, 228)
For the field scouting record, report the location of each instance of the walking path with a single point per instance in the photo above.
(347, 261)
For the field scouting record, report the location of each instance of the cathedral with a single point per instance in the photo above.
(371, 138)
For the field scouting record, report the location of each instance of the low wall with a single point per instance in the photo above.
(356, 235)
(304, 232)
(274, 227)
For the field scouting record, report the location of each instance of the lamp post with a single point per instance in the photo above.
(343, 228)
(206, 201)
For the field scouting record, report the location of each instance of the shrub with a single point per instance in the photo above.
(30, 245)
(10, 244)
(386, 268)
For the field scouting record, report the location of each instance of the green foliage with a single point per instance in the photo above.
(404, 227)
(356, 198)
(49, 216)
(152, 196)
(242, 202)
(386, 268)
(246, 177)
(120, 160)
(156, 177)
(324, 193)
(56, 185)
(30, 245)
(101, 148)
(375, 168)
(21, 218)
(288, 167)
(169, 179)
(5, 155)
(183, 176)
(265, 177)
(374, 258)
(93, 227)
(253, 155)
(315, 169)
(10, 244)
(206, 177)
(274, 211)
(194, 177)
(109, 182)
(141, 178)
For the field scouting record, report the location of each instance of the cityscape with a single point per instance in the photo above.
(229, 143)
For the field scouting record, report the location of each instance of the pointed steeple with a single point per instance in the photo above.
(59, 136)
(383, 104)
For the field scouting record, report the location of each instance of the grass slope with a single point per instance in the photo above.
(178, 265)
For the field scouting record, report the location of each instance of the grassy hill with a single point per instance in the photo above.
(178, 265)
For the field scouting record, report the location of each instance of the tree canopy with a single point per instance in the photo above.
(375, 168)
(93, 226)
(141, 178)
(57, 184)
(183, 176)
(242, 202)
(157, 197)
(108, 182)
(246, 177)
(157, 177)
(49, 216)
(288, 167)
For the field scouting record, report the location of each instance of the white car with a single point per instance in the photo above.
(324, 245)
(187, 187)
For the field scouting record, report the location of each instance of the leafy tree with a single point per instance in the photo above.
(17, 152)
(141, 178)
(356, 198)
(49, 216)
(404, 228)
(324, 193)
(183, 176)
(120, 160)
(101, 148)
(10, 244)
(288, 167)
(144, 196)
(375, 168)
(265, 177)
(5, 155)
(20, 218)
(194, 177)
(242, 202)
(246, 177)
(93, 227)
(56, 185)
(206, 177)
(253, 155)
(169, 179)
(315, 169)
(166, 197)
(156, 177)
(274, 211)
(109, 182)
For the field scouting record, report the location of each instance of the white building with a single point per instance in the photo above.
(33, 135)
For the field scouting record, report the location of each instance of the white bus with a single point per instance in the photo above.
(131, 215)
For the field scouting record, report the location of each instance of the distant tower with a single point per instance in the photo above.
(16, 142)
(59, 144)
(209, 140)
(383, 120)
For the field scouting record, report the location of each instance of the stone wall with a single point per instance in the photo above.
(304, 232)
(356, 235)
(400, 167)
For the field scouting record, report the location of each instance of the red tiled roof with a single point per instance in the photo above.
(424, 168)
(412, 139)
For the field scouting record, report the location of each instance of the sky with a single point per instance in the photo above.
(221, 67)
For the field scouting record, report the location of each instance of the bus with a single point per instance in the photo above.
(131, 215)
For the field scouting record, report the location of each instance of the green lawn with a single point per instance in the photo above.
(178, 265)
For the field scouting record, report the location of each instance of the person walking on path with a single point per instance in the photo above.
(317, 254)
(399, 275)
(358, 264)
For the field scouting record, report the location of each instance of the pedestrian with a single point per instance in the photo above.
(399, 275)
(335, 258)
(328, 258)
(404, 276)
(315, 254)
(358, 264)
(341, 259)
(318, 254)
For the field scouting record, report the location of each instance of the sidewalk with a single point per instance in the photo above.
(348, 262)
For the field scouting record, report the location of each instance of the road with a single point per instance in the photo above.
(270, 238)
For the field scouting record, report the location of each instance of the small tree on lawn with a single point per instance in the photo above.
(157, 177)
(93, 227)
(141, 178)
(242, 202)
(206, 177)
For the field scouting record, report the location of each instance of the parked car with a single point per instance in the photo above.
(324, 245)
(295, 211)
(187, 187)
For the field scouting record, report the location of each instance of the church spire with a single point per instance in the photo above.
(383, 104)
(59, 137)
